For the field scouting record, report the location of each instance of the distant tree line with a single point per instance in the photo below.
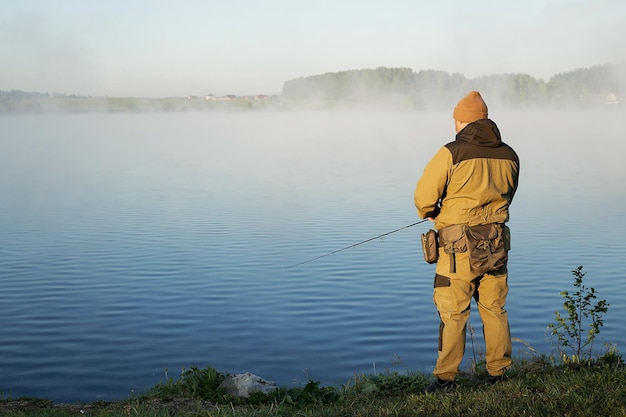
(439, 89)
(21, 95)
(15, 101)
(18, 101)
(382, 87)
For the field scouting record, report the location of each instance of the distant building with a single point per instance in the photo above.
(611, 99)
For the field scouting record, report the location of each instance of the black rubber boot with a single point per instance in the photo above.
(439, 385)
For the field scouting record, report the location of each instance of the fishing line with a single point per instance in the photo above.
(356, 244)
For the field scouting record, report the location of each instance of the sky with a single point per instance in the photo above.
(164, 48)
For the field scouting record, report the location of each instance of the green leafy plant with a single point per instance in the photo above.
(193, 383)
(578, 328)
(311, 394)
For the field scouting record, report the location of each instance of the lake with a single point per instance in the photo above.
(135, 245)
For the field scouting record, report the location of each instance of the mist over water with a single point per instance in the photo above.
(132, 244)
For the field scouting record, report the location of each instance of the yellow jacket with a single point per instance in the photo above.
(471, 180)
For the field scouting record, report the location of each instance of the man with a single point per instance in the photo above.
(466, 190)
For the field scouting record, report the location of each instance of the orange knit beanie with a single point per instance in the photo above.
(470, 108)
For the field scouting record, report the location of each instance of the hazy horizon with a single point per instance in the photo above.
(158, 49)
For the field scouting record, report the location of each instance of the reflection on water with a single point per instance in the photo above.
(132, 244)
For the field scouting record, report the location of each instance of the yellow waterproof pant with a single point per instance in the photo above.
(452, 296)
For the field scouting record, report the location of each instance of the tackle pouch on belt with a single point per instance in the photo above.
(430, 246)
(487, 247)
(452, 240)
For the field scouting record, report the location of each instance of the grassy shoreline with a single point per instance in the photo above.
(535, 387)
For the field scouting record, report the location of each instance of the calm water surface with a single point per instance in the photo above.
(135, 244)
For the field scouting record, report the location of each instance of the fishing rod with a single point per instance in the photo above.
(356, 244)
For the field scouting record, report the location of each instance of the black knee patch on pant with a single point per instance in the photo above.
(441, 281)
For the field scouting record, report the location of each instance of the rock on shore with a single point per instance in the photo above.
(242, 385)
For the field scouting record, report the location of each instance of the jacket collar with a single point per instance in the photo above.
(482, 132)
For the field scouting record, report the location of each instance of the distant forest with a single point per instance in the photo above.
(403, 87)
(381, 87)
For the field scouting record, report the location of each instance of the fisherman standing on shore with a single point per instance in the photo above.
(466, 190)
